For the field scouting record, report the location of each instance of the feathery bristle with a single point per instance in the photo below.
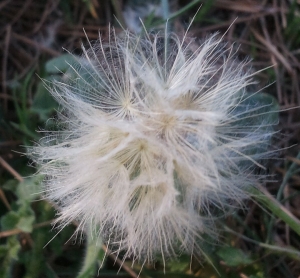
(151, 141)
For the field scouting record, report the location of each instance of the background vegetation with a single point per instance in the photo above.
(263, 240)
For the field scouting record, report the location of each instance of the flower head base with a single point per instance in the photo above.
(156, 134)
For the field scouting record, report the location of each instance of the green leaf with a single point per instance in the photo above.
(22, 216)
(258, 109)
(3, 250)
(233, 256)
(22, 219)
(26, 219)
(180, 265)
(11, 185)
(13, 247)
(29, 189)
(43, 103)
(9, 220)
(9, 254)
(258, 112)
(60, 64)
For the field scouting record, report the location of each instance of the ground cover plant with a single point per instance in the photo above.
(260, 240)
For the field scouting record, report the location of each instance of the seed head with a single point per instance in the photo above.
(154, 136)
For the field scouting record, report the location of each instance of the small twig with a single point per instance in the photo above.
(273, 49)
(241, 6)
(19, 231)
(293, 159)
(21, 11)
(4, 3)
(10, 233)
(283, 172)
(116, 259)
(11, 170)
(227, 23)
(10, 143)
(47, 11)
(36, 45)
(4, 199)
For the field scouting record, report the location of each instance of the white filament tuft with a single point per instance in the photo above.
(150, 144)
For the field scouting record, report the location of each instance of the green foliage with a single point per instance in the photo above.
(22, 216)
(43, 103)
(233, 256)
(22, 219)
(29, 189)
(258, 109)
(25, 123)
(8, 256)
(60, 64)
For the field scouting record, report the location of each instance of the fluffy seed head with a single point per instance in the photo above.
(154, 137)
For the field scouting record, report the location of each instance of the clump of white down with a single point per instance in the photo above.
(148, 147)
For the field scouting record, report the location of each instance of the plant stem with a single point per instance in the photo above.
(94, 253)
(266, 199)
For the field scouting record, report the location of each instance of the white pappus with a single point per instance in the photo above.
(154, 136)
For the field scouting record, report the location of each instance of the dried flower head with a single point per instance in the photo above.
(155, 134)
